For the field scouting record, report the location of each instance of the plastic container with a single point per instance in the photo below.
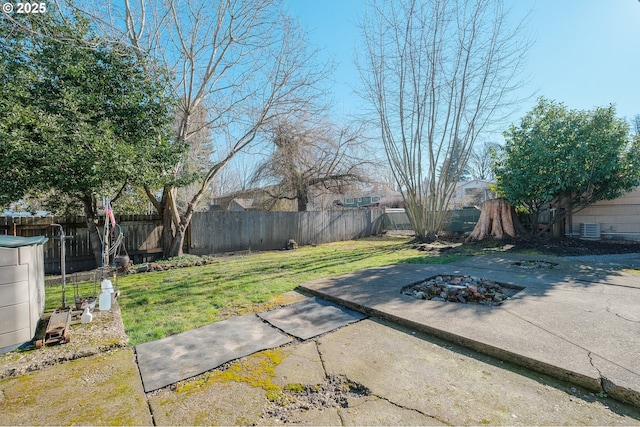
(105, 301)
(86, 316)
(106, 285)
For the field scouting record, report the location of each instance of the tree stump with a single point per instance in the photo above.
(497, 219)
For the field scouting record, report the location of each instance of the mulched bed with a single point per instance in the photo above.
(575, 247)
(554, 246)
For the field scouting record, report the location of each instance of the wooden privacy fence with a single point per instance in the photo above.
(458, 221)
(142, 234)
(216, 232)
(209, 232)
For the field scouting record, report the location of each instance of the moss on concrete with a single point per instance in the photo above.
(257, 370)
(98, 390)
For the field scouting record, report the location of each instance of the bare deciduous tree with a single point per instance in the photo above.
(241, 62)
(310, 157)
(436, 73)
(480, 164)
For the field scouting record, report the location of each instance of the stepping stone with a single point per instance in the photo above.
(181, 356)
(309, 318)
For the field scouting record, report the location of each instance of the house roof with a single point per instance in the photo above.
(244, 203)
(475, 183)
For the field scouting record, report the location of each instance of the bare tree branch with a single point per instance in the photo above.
(436, 73)
(237, 66)
(312, 155)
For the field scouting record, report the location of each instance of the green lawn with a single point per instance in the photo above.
(155, 305)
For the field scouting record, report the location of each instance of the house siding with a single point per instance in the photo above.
(469, 193)
(618, 218)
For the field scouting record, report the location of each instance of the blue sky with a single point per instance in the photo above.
(586, 53)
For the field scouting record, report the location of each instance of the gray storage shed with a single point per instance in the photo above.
(21, 289)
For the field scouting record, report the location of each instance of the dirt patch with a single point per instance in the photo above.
(297, 398)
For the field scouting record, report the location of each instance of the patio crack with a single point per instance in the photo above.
(621, 316)
(608, 310)
(407, 408)
(324, 367)
(605, 383)
(326, 375)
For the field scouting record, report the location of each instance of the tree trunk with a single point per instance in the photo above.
(175, 248)
(173, 235)
(559, 225)
(167, 233)
(497, 219)
(303, 199)
(92, 228)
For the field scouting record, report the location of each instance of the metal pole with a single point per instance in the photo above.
(63, 262)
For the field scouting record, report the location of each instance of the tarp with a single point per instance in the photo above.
(17, 241)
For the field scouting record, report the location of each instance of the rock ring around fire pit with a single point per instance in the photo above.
(535, 264)
(461, 289)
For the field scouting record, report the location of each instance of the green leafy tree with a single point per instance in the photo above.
(81, 116)
(565, 160)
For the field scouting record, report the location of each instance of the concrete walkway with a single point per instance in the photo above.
(178, 357)
(578, 322)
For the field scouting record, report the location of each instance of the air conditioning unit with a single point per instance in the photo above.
(590, 230)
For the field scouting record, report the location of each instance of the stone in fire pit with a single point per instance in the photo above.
(461, 289)
(535, 264)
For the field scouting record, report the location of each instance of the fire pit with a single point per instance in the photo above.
(535, 264)
(461, 289)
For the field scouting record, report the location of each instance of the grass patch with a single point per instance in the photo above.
(155, 305)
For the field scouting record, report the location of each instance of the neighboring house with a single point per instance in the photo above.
(240, 205)
(378, 194)
(384, 197)
(319, 199)
(610, 219)
(362, 201)
(472, 193)
(253, 199)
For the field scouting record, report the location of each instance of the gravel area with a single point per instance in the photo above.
(460, 289)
